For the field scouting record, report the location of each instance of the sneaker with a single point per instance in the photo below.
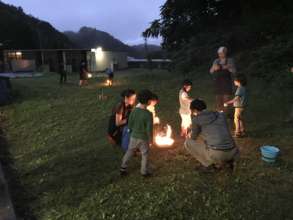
(229, 166)
(123, 172)
(237, 135)
(210, 169)
(243, 134)
(146, 175)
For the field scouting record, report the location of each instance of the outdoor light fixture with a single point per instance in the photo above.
(98, 52)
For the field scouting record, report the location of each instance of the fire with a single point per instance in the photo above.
(165, 139)
(109, 82)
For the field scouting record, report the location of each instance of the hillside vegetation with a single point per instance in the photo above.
(22, 31)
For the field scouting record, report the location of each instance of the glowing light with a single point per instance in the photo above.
(18, 53)
(89, 75)
(156, 120)
(109, 82)
(165, 139)
(98, 52)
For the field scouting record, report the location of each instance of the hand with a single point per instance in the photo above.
(216, 67)
(156, 120)
(225, 67)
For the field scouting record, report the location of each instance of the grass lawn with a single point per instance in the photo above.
(62, 166)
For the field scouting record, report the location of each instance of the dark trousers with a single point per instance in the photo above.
(63, 77)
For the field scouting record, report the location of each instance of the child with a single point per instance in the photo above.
(152, 108)
(110, 74)
(140, 124)
(239, 103)
(184, 110)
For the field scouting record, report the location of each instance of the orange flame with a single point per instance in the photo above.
(165, 140)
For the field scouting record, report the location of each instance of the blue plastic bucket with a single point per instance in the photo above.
(269, 153)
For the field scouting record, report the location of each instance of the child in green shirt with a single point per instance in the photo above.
(140, 124)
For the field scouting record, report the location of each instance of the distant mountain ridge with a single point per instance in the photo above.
(21, 31)
(88, 37)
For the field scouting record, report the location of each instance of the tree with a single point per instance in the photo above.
(181, 20)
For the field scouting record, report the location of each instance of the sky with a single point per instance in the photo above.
(124, 19)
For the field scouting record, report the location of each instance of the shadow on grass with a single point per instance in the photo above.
(19, 194)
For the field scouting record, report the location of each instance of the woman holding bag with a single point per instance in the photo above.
(119, 117)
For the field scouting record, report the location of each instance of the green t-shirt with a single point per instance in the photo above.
(241, 93)
(140, 124)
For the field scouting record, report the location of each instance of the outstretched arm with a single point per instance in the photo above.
(236, 99)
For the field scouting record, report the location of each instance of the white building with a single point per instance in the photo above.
(99, 60)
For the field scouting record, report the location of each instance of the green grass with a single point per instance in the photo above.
(65, 168)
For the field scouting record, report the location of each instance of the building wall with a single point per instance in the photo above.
(105, 59)
(152, 65)
(53, 60)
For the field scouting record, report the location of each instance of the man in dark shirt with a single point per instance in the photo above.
(210, 142)
(63, 74)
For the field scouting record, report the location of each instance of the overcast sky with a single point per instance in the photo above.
(124, 19)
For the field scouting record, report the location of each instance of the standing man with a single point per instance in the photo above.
(63, 73)
(83, 74)
(110, 74)
(223, 69)
(210, 141)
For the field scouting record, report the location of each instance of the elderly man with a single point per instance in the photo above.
(210, 141)
(223, 69)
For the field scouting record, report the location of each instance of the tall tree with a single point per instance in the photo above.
(182, 19)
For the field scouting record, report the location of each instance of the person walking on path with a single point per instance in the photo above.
(223, 69)
(210, 141)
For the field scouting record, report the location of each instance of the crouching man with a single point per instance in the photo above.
(210, 141)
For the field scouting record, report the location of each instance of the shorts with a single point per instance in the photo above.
(111, 76)
(185, 121)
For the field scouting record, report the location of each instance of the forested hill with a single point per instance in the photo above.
(21, 31)
(88, 37)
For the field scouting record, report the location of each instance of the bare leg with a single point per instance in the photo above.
(237, 121)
